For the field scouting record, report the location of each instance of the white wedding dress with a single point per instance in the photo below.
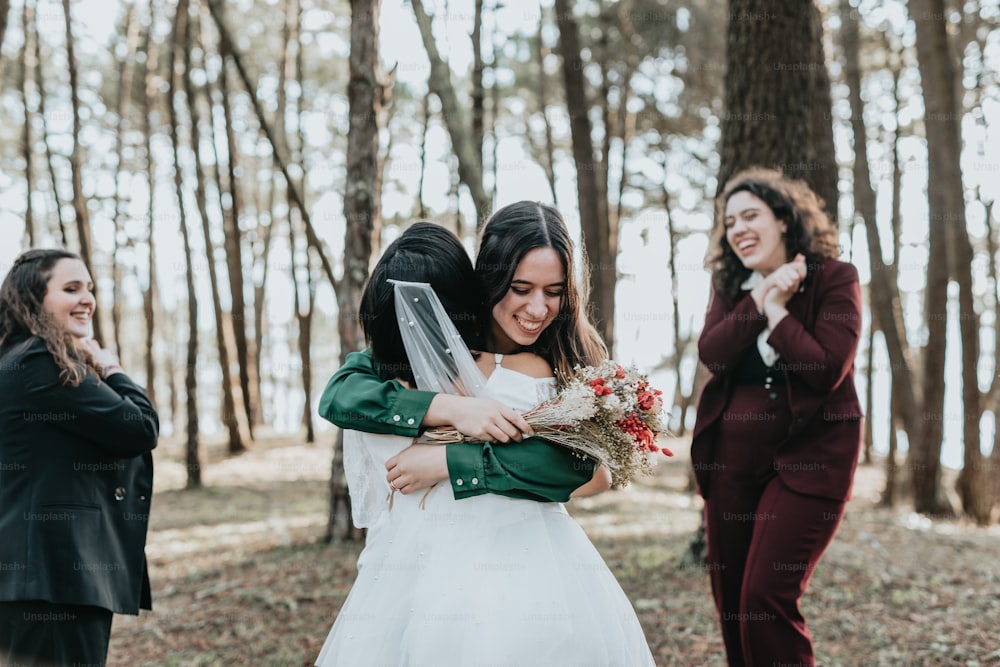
(487, 580)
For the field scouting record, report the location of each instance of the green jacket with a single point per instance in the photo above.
(357, 398)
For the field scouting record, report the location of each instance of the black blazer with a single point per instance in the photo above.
(76, 480)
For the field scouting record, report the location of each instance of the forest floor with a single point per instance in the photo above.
(241, 577)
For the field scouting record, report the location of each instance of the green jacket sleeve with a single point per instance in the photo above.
(357, 398)
(532, 469)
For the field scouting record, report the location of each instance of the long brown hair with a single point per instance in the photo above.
(507, 237)
(23, 316)
(809, 229)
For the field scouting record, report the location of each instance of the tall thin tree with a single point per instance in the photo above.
(946, 199)
(591, 177)
(192, 454)
(76, 165)
(49, 156)
(362, 209)
(27, 64)
(232, 417)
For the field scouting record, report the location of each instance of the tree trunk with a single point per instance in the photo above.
(362, 211)
(478, 93)
(234, 262)
(278, 152)
(942, 123)
(4, 12)
(75, 160)
(883, 293)
(305, 314)
(233, 418)
(421, 207)
(264, 232)
(27, 63)
(39, 84)
(470, 163)
(591, 178)
(867, 438)
(125, 73)
(948, 245)
(192, 454)
(150, 295)
(548, 164)
(777, 95)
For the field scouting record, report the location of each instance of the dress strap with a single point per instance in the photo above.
(497, 357)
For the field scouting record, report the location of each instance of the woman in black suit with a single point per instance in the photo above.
(76, 470)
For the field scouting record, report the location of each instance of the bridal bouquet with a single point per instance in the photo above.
(606, 412)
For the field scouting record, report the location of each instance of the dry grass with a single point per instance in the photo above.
(240, 578)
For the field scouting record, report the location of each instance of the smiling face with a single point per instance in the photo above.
(69, 298)
(532, 301)
(754, 234)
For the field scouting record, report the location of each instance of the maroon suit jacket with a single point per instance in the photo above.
(817, 341)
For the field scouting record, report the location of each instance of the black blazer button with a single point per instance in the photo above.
(120, 493)
(773, 395)
(799, 417)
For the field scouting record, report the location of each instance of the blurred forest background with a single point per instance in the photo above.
(229, 170)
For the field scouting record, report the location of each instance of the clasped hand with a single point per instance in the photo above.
(773, 293)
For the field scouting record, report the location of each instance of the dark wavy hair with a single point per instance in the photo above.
(426, 253)
(506, 238)
(23, 316)
(809, 229)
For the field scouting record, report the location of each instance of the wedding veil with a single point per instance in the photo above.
(440, 359)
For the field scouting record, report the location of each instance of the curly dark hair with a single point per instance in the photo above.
(22, 315)
(809, 229)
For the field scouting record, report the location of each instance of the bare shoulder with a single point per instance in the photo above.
(528, 363)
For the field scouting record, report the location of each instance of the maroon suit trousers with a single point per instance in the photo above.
(764, 540)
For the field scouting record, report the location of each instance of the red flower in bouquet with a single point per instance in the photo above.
(606, 412)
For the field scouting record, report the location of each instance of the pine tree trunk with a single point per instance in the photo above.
(278, 151)
(75, 160)
(27, 64)
(4, 12)
(150, 295)
(245, 357)
(192, 455)
(362, 210)
(233, 418)
(470, 163)
(125, 73)
(942, 123)
(548, 164)
(54, 182)
(883, 292)
(777, 109)
(591, 178)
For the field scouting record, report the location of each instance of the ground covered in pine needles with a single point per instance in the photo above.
(240, 576)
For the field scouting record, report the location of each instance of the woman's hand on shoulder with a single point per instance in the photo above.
(479, 418)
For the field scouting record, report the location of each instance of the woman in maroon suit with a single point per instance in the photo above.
(776, 440)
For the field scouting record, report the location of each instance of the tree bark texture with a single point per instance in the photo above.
(942, 124)
(75, 160)
(777, 95)
(192, 456)
(232, 418)
(591, 177)
(470, 163)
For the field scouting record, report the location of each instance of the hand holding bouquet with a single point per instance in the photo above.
(606, 412)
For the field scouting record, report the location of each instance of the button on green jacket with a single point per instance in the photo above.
(357, 398)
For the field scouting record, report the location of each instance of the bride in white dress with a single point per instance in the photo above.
(483, 580)
(487, 579)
